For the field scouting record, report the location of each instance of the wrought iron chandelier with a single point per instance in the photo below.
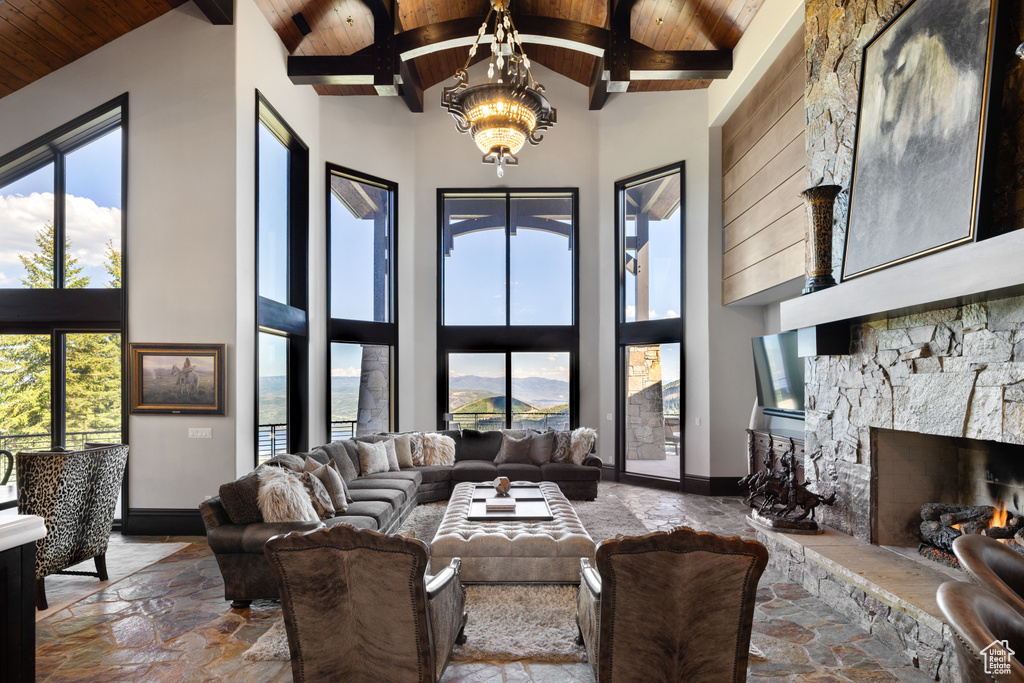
(507, 111)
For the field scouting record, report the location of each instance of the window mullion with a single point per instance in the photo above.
(59, 215)
(58, 385)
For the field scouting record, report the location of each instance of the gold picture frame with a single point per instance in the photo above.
(177, 379)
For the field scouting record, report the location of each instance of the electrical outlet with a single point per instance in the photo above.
(200, 432)
(697, 420)
(609, 417)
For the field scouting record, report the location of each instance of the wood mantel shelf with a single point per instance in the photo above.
(990, 269)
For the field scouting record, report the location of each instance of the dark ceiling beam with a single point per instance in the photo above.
(598, 86)
(357, 69)
(617, 56)
(219, 12)
(411, 88)
(646, 64)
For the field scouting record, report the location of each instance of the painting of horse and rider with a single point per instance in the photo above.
(178, 378)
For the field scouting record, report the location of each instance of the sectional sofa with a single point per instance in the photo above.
(237, 533)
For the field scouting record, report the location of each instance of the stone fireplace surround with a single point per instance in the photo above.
(956, 372)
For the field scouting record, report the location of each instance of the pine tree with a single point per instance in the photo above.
(93, 369)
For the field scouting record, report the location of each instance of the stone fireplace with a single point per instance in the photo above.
(954, 372)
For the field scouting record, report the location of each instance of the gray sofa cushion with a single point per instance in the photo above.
(520, 471)
(250, 538)
(434, 473)
(407, 487)
(474, 470)
(390, 496)
(342, 457)
(380, 512)
(410, 474)
(477, 445)
(566, 471)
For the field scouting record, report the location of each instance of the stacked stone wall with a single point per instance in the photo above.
(645, 411)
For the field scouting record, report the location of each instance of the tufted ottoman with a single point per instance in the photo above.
(513, 552)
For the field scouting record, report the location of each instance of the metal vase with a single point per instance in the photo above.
(819, 201)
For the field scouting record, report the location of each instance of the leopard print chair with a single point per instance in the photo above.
(75, 492)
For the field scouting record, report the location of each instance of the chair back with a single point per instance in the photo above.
(985, 628)
(677, 606)
(355, 605)
(994, 566)
(75, 492)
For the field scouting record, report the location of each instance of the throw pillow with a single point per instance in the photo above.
(283, 497)
(541, 446)
(514, 450)
(560, 449)
(392, 455)
(318, 495)
(438, 449)
(403, 450)
(287, 461)
(342, 458)
(372, 458)
(515, 434)
(239, 499)
(416, 446)
(332, 481)
(582, 441)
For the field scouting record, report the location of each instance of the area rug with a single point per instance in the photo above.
(507, 623)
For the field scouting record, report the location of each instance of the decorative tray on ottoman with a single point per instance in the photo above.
(526, 502)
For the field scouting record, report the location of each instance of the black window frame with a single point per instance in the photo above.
(666, 331)
(348, 331)
(289, 320)
(508, 338)
(58, 311)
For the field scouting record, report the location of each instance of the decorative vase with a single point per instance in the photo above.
(819, 201)
(502, 485)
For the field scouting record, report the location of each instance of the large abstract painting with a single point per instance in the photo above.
(918, 157)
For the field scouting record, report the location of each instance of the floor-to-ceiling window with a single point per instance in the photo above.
(363, 330)
(508, 339)
(282, 237)
(62, 242)
(649, 332)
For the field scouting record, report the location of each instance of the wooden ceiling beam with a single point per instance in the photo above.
(677, 65)
(219, 12)
(357, 69)
(411, 87)
(598, 86)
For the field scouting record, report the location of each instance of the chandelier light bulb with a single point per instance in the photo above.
(509, 110)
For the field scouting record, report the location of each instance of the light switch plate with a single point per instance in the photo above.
(200, 432)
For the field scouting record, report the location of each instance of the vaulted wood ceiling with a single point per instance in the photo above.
(40, 36)
(347, 27)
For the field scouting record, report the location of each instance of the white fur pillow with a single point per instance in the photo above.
(283, 497)
(438, 449)
(580, 444)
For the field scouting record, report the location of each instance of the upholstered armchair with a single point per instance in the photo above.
(994, 566)
(985, 628)
(75, 492)
(673, 606)
(358, 606)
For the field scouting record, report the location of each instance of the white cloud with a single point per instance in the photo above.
(547, 372)
(89, 227)
(345, 372)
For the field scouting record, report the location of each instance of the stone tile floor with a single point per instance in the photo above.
(169, 622)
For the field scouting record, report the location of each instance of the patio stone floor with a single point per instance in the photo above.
(169, 622)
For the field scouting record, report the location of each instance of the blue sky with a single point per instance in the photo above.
(93, 210)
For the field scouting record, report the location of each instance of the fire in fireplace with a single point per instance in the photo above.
(943, 523)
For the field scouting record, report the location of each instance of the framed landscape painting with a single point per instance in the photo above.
(920, 134)
(177, 379)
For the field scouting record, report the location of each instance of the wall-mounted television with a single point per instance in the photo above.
(779, 372)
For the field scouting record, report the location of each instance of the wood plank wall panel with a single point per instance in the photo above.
(763, 172)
